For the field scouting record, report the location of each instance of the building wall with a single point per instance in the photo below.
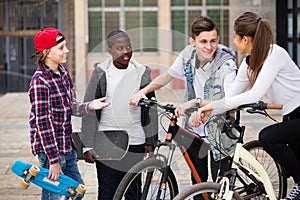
(266, 8)
(71, 17)
(160, 61)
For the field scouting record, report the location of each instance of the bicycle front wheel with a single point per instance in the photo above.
(274, 170)
(213, 190)
(142, 181)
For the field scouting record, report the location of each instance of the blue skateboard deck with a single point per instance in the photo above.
(64, 186)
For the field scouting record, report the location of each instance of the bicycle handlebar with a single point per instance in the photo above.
(252, 108)
(149, 102)
(260, 105)
(274, 106)
(257, 108)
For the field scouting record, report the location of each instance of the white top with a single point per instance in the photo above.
(200, 77)
(278, 80)
(121, 85)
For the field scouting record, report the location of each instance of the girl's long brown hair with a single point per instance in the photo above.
(254, 26)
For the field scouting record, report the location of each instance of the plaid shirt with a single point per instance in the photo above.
(53, 101)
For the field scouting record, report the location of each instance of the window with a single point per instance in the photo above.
(184, 11)
(293, 29)
(137, 17)
(19, 21)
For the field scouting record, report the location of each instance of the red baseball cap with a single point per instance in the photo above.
(46, 38)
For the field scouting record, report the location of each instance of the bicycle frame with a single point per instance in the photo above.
(183, 139)
(261, 175)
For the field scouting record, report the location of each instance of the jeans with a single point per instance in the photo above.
(68, 165)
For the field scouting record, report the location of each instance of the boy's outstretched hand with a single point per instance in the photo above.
(98, 104)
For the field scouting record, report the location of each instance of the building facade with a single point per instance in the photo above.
(158, 29)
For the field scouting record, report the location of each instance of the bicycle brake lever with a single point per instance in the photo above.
(252, 111)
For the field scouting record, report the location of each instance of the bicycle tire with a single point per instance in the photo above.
(206, 187)
(141, 168)
(274, 170)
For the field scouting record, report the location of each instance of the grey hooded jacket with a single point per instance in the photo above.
(97, 88)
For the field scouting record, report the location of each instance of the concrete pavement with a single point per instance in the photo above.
(14, 144)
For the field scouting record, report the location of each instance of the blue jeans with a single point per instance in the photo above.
(68, 165)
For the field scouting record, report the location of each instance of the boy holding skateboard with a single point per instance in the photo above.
(53, 101)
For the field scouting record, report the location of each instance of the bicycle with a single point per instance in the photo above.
(155, 174)
(247, 178)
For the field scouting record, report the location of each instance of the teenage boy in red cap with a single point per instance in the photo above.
(53, 101)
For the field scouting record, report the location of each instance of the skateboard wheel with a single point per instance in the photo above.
(24, 184)
(81, 189)
(34, 170)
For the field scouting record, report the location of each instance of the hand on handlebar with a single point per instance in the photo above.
(199, 117)
(180, 109)
(135, 98)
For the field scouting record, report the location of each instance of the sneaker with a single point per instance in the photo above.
(295, 193)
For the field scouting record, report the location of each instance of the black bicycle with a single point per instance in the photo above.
(156, 176)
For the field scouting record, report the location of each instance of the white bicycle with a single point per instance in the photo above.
(248, 178)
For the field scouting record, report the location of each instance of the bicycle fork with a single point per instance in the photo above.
(166, 168)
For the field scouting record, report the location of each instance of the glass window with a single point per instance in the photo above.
(94, 3)
(298, 25)
(132, 20)
(178, 27)
(132, 16)
(195, 2)
(150, 33)
(177, 2)
(149, 3)
(132, 24)
(111, 21)
(95, 30)
(214, 2)
(132, 3)
(112, 3)
(221, 18)
(290, 25)
(290, 4)
(298, 53)
(21, 20)
(192, 15)
(290, 49)
(184, 11)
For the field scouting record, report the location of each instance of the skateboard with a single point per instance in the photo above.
(109, 144)
(64, 186)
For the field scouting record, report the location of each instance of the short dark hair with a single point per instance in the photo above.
(202, 23)
(114, 35)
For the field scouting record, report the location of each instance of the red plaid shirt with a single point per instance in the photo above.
(53, 101)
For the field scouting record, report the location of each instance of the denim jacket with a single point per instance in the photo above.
(214, 90)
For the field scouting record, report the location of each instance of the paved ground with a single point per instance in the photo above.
(14, 144)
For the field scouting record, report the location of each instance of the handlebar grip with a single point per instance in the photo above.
(274, 106)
